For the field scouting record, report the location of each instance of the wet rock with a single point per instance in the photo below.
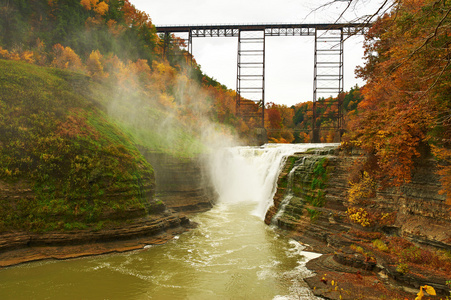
(420, 215)
(181, 183)
(181, 186)
(19, 247)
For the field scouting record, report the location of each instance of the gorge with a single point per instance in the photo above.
(302, 189)
(231, 248)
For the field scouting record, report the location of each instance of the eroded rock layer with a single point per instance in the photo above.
(182, 184)
(312, 200)
(180, 187)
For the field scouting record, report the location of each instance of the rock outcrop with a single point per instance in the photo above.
(312, 193)
(20, 247)
(121, 231)
(182, 184)
(180, 188)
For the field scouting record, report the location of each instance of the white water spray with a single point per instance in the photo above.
(249, 174)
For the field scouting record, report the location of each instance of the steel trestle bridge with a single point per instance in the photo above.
(250, 82)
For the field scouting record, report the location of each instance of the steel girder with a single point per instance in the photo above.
(328, 61)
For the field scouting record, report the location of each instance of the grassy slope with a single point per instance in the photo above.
(148, 123)
(55, 137)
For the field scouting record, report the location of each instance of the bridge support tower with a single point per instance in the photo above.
(328, 64)
(328, 80)
(250, 80)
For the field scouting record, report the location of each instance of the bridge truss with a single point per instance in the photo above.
(328, 67)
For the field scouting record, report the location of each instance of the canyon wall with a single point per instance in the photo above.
(179, 188)
(311, 202)
(182, 184)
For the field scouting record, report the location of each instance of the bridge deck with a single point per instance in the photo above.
(272, 29)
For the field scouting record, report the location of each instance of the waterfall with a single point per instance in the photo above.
(249, 174)
(288, 195)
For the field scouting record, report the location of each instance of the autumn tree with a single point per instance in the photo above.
(94, 65)
(406, 106)
(279, 123)
(100, 8)
(274, 117)
(66, 58)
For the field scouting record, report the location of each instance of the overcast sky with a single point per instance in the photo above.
(289, 60)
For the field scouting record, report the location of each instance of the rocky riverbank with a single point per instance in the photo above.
(405, 245)
(21, 247)
(181, 189)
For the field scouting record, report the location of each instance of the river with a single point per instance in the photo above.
(232, 254)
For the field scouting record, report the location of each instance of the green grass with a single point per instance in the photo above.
(55, 136)
(146, 122)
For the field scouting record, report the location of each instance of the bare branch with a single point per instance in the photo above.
(437, 79)
(324, 6)
(344, 11)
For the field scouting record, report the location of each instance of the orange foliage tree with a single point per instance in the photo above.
(279, 123)
(66, 58)
(100, 8)
(407, 105)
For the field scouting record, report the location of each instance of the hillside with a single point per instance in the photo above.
(85, 93)
(117, 46)
(70, 164)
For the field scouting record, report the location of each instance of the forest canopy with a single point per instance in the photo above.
(406, 108)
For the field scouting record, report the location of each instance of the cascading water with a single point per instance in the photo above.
(287, 197)
(249, 174)
(232, 254)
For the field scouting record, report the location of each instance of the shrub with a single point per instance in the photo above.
(363, 189)
(402, 268)
(397, 244)
(365, 234)
(380, 245)
(359, 216)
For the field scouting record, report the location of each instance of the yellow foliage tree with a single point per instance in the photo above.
(163, 75)
(363, 189)
(101, 8)
(28, 57)
(94, 66)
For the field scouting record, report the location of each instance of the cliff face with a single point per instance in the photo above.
(181, 183)
(312, 202)
(115, 230)
(179, 186)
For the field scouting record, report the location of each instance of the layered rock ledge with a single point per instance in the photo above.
(182, 184)
(315, 213)
(181, 188)
(21, 247)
